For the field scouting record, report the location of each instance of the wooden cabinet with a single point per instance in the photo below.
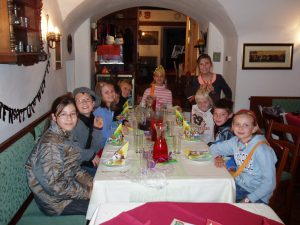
(20, 31)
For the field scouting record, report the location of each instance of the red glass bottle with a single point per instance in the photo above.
(160, 147)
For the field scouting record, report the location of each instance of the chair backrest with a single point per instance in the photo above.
(267, 117)
(282, 129)
(282, 156)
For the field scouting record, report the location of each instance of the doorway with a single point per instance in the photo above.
(172, 36)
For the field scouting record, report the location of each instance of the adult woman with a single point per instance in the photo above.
(59, 185)
(158, 89)
(211, 82)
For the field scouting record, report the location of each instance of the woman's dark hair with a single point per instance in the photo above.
(61, 102)
(204, 56)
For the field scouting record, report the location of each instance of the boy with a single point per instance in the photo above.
(222, 115)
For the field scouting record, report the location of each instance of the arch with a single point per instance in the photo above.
(200, 10)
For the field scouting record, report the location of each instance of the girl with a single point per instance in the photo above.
(107, 93)
(212, 82)
(125, 87)
(201, 115)
(158, 89)
(58, 183)
(257, 180)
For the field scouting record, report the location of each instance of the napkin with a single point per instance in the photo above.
(179, 118)
(118, 159)
(117, 136)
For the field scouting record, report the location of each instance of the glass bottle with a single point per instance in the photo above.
(16, 20)
(160, 147)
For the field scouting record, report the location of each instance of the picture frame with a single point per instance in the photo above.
(148, 38)
(268, 56)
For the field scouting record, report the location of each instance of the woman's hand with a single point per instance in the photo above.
(98, 122)
(219, 161)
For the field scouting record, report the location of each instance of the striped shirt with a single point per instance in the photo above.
(163, 96)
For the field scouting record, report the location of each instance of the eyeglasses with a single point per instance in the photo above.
(83, 100)
(65, 116)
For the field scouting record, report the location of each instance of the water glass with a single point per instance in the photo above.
(177, 144)
(138, 140)
(170, 126)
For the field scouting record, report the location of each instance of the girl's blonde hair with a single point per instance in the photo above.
(160, 69)
(201, 93)
(98, 90)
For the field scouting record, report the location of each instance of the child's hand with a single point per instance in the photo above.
(96, 160)
(219, 161)
(98, 122)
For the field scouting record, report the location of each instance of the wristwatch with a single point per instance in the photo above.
(247, 200)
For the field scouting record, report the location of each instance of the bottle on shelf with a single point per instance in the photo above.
(16, 20)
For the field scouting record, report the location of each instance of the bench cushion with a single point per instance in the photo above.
(34, 216)
(13, 186)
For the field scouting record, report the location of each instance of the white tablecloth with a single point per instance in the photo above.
(108, 211)
(186, 181)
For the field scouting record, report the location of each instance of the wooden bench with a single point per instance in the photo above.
(17, 206)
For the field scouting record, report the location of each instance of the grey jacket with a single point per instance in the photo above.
(54, 173)
(81, 133)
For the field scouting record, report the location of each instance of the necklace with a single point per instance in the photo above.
(242, 146)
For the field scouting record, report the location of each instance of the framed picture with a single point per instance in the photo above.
(268, 56)
(148, 38)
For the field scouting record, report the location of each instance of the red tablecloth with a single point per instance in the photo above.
(293, 119)
(163, 213)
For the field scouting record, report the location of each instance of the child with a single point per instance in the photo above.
(59, 185)
(202, 116)
(158, 89)
(106, 109)
(222, 116)
(257, 180)
(125, 87)
(88, 131)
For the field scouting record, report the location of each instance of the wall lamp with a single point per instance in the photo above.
(52, 37)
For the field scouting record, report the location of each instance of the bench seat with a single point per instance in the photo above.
(34, 216)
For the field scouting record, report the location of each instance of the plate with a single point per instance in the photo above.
(198, 156)
(114, 163)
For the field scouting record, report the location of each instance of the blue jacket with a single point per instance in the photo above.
(108, 125)
(259, 176)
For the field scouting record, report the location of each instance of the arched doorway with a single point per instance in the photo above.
(200, 10)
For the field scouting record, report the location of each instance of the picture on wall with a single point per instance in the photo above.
(148, 37)
(268, 56)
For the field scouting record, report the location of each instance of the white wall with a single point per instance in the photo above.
(19, 84)
(215, 43)
(82, 50)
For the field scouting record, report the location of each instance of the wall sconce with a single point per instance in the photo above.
(52, 37)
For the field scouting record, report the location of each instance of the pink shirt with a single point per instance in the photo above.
(163, 96)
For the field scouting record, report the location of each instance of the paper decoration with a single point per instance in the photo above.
(19, 114)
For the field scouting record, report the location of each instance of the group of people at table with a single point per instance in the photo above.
(61, 167)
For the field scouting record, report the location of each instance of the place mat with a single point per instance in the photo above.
(194, 213)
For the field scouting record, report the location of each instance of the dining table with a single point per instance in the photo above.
(189, 213)
(178, 180)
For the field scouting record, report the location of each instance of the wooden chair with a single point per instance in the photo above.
(282, 156)
(288, 175)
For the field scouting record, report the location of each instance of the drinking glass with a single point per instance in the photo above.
(138, 139)
(177, 144)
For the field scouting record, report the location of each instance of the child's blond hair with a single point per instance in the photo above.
(160, 69)
(200, 94)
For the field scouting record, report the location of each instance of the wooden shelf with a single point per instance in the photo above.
(27, 33)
